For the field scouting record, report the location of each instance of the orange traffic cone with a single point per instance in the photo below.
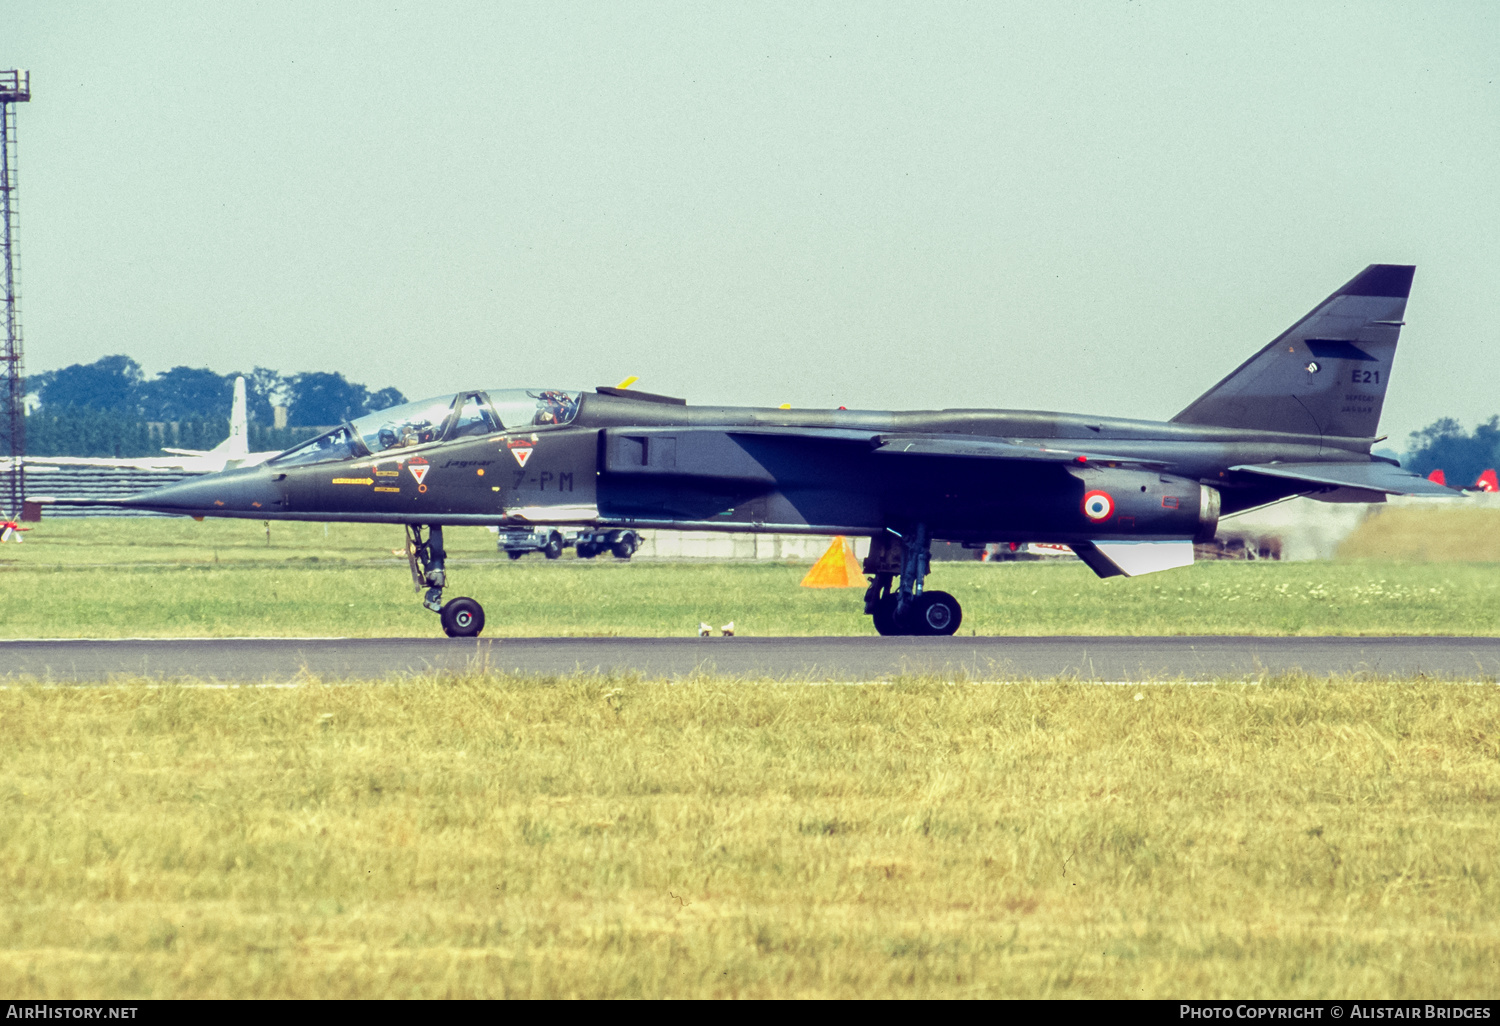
(837, 568)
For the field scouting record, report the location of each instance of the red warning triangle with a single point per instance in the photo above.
(418, 470)
(521, 455)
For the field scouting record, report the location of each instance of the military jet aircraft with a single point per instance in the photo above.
(1129, 496)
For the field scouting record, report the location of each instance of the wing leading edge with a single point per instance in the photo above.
(961, 446)
(995, 449)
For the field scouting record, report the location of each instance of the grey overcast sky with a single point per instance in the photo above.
(1100, 206)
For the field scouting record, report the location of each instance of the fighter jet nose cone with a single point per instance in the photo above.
(231, 491)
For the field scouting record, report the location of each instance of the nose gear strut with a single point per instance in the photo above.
(461, 617)
(427, 559)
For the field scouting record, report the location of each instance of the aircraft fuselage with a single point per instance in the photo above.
(629, 463)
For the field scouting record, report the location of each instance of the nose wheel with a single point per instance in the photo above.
(460, 617)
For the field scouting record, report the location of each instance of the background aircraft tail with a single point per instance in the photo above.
(1326, 374)
(237, 445)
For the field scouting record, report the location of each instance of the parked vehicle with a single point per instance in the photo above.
(550, 542)
(592, 543)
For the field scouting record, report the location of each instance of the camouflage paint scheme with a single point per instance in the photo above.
(1297, 418)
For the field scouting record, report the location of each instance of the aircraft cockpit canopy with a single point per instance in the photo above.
(445, 418)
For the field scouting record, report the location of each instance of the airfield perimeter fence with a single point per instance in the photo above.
(96, 483)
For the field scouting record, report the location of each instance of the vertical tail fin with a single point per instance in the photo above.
(1326, 374)
(237, 445)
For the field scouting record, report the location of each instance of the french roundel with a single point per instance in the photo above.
(1098, 506)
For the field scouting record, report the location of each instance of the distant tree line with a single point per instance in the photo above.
(1460, 455)
(75, 431)
(110, 408)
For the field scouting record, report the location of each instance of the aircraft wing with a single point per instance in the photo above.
(1372, 477)
(860, 435)
(144, 463)
(969, 446)
(996, 449)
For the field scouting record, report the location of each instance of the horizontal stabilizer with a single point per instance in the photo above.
(1133, 558)
(1373, 477)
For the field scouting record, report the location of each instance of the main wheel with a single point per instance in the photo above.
(623, 550)
(462, 618)
(885, 617)
(514, 553)
(934, 613)
(554, 546)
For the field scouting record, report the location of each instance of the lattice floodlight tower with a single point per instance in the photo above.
(15, 87)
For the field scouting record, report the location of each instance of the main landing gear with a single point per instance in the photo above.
(909, 609)
(461, 617)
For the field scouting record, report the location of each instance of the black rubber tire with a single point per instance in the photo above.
(934, 614)
(462, 618)
(514, 554)
(554, 547)
(885, 617)
(623, 550)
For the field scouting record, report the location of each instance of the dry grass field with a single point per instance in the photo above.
(1450, 532)
(492, 837)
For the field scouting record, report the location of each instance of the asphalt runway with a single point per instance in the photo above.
(831, 659)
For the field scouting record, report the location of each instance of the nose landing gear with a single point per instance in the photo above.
(461, 617)
(909, 609)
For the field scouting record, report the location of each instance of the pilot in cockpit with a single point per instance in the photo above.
(555, 407)
(406, 433)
